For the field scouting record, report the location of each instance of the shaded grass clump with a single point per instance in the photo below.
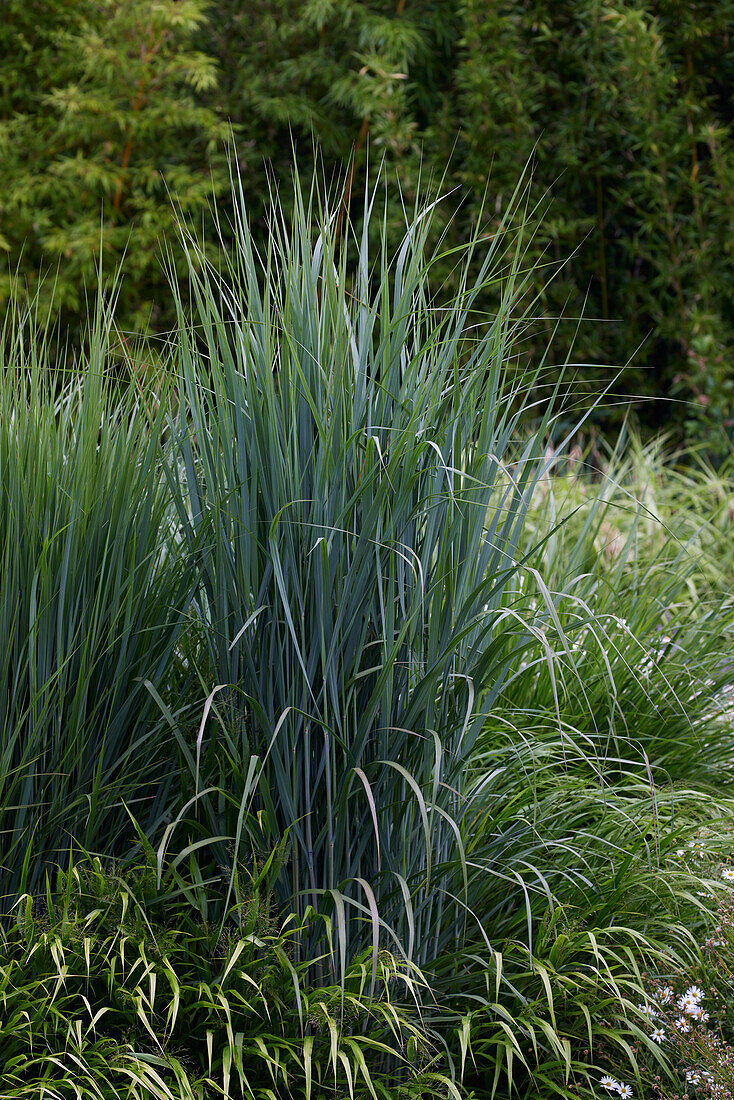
(91, 601)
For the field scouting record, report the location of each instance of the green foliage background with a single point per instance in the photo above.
(624, 108)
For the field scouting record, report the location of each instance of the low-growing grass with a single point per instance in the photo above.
(115, 985)
(639, 581)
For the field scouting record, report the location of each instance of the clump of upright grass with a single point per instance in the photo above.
(454, 716)
(337, 468)
(353, 482)
(90, 603)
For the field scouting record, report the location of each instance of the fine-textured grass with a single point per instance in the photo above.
(638, 579)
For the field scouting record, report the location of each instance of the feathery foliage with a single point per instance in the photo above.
(106, 99)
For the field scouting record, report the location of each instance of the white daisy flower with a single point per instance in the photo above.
(728, 874)
(658, 1035)
(682, 1024)
(692, 1077)
(665, 995)
(694, 993)
(608, 1082)
(625, 1091)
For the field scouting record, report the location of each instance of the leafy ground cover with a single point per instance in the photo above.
(351, 734)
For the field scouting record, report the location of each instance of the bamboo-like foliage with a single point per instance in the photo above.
(112, 989)
(339, 467)
(90, 603)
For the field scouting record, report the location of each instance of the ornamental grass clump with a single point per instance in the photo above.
(337, 465)
(418, 756)
(91, 602)
(354, 473)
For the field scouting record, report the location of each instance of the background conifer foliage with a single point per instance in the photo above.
(624, 108)
(103, 113)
